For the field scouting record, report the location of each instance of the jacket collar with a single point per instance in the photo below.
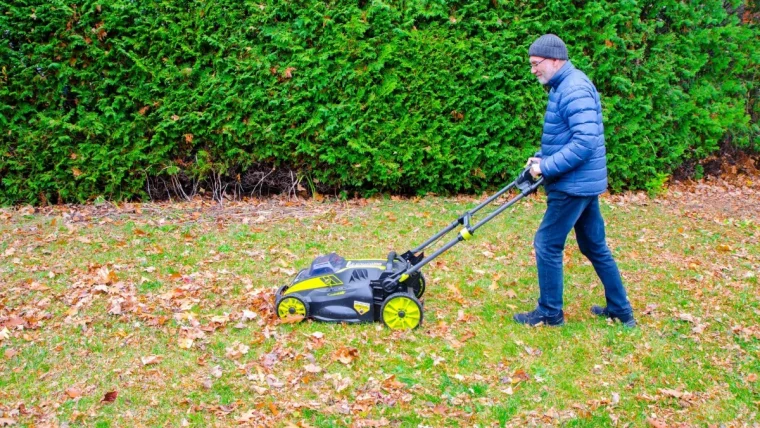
(561, 74)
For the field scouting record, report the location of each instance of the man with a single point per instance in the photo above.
(573, 163)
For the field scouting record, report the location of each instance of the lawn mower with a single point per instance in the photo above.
(336, 289)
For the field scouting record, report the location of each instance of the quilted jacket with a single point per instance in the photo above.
(573, 156)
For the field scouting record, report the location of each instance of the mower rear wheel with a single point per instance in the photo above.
(401, 311)
(292, 306)
(419, 290)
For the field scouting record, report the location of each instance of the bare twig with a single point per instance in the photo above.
(260, 184)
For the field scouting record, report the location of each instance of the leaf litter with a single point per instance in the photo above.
(273, 361)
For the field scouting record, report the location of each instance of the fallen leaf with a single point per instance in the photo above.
(341, 383)
(520, 376)
(274, 382)
(345, 355)
(185, 342)
(656, 424)
(216, 371)
(291, 319)
(7, 422)
(220, 319)
(671, 392)
(110, 397)
(751, 377)
(14, 322)
(311, 368)
(273, 409)
(73, 392)
(10, 353)
(237, 350)
(152, 359)
(115, 306)
(248, 416)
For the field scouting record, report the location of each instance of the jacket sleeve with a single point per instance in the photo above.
(578, 108)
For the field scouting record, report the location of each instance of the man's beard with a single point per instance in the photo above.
(547, 76)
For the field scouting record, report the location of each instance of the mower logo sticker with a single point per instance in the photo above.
(355, 264)
(331, 280)
(361, 307)
(337, 293)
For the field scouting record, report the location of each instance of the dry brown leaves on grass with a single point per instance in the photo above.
(106, 294)
(198, 211)
(732, 196)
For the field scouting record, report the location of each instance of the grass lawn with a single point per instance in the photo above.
(162, 315)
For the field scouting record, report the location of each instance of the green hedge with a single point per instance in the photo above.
(404, 97)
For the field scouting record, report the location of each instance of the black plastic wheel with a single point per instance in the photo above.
(419, 289)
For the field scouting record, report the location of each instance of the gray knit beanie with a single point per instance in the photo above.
(548, 46)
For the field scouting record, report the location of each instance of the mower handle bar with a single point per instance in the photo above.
(524, 182)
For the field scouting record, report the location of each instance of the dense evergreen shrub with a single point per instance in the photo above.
(413, 96)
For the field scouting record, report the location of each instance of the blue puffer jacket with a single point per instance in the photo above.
(573, 157)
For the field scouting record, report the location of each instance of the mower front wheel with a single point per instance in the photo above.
(401, 311)
(292, 306)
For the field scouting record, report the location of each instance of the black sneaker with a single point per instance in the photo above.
(534, 318)
(626, 319)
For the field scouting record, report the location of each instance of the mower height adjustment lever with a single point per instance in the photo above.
(389, 263)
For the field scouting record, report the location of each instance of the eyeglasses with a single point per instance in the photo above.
(534, 65)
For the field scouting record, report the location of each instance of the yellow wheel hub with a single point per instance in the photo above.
(402, 313)
(290, 307)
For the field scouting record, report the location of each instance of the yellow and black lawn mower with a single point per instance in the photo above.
(336, 289)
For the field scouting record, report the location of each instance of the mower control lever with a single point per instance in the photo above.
(465, 219)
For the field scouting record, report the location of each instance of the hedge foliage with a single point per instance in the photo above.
(407, 96)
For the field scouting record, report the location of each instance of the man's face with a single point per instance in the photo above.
(543, 68)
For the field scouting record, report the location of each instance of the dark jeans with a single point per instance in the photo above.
(564, 212)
